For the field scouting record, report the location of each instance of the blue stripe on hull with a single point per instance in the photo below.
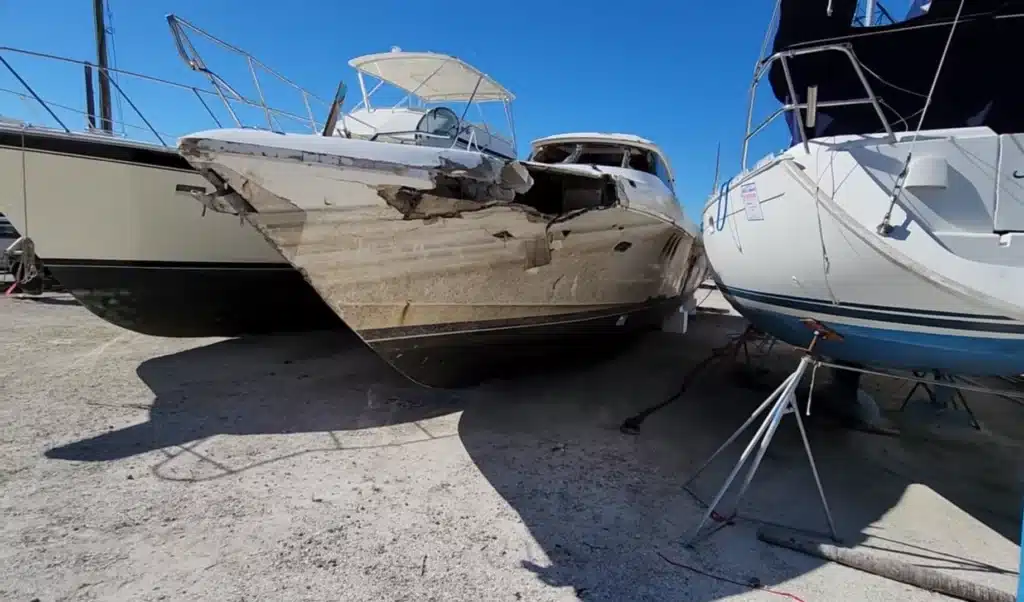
(956, 354)
(879, 313)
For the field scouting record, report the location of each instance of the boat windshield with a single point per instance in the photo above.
(605, 154)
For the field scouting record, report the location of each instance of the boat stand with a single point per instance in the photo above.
(942, 381)
(781, 402)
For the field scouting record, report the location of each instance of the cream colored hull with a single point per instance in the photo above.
(109, 222)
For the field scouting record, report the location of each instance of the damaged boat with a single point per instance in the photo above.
(449, 258)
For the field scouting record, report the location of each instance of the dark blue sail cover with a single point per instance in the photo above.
(976, 87)
(918, 8)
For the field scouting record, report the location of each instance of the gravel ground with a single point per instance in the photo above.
(292, 468)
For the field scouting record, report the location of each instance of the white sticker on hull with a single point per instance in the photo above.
(751, 202)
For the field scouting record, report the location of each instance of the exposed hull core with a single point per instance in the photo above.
(106, 223)
(452, 290)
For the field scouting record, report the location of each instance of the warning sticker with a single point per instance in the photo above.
(751, 202)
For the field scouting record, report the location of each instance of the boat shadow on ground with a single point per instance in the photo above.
(609, 510)
(279, 384)
(48, 299)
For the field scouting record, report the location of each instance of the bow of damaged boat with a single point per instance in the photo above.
(454, 265)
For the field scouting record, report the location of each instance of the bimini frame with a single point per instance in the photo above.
(429, 77)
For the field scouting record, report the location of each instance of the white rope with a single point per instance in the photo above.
(885, 227)
(890, 84)
(768, 34)
(24, 182)
(27, 265)
(938, 71)
(826, 263)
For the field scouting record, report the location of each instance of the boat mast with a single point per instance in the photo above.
(869, 13)
(106, 114)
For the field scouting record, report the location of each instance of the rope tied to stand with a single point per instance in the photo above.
(27, 268)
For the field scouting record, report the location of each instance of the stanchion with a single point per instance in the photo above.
(781, 402)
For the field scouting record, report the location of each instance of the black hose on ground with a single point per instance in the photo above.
(631, 425)
(890, 568)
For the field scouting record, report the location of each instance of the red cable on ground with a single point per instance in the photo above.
(17, 279)
(731, 581)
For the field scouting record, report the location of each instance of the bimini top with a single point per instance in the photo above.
(603, 138)
(431, 76)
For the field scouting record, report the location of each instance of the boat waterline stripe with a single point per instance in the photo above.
(887, 315)
(740, 292)
(94, 148)
(379, 335)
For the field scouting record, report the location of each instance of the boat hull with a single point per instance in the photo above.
(107, 221)
(197, 299)
(463, 354)
(471, 293)
(957, 344)
(785, 250)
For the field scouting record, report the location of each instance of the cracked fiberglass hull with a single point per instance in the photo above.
(452, 292)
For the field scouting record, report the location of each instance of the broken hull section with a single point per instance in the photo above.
(455, 291)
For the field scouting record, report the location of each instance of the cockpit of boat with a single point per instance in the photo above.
(428, 79)
(427, 126)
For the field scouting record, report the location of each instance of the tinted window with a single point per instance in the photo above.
(661, 170)
(553, 153)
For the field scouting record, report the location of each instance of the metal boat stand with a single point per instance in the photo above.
(781, 402)
(942, 381)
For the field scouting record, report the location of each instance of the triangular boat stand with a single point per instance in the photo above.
(781, 402)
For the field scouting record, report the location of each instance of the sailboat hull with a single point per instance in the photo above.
(107, 221)
(796, 239)
(958, 345)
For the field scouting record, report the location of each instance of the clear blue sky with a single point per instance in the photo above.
(674, 71)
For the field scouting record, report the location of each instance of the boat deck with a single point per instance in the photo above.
(303, 467)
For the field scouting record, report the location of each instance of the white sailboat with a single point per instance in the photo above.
(896, 218)
(449, 258)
